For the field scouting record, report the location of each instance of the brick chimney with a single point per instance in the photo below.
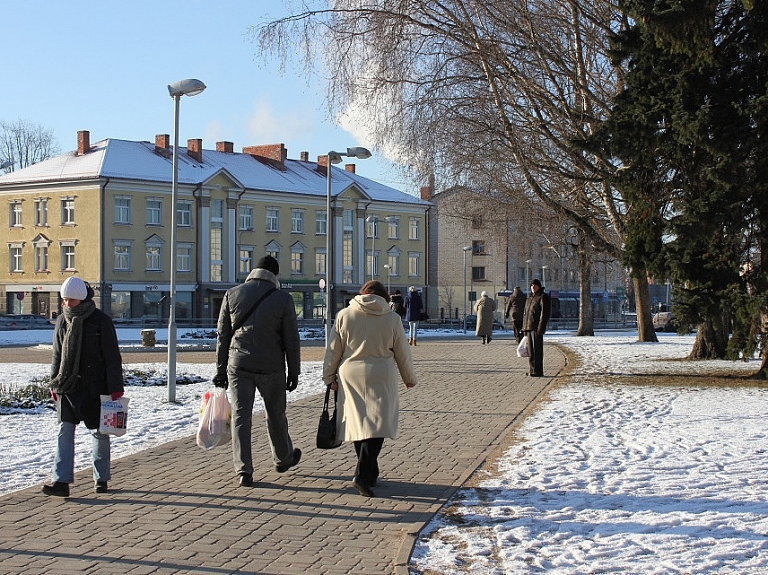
(322, 164)
(226, 147)
(350, 168)
(195, 149)
(163, 145)
(83, 142)
(271, 154)
(428, 191)
(305, 156)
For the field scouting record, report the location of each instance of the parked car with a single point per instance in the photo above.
(472, 322)
(25, 321)
(664, 321)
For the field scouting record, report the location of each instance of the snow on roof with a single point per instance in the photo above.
(124, 159)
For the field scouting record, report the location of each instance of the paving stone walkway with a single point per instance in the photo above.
(177, 509)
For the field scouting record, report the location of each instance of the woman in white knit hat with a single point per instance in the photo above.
(86, 364)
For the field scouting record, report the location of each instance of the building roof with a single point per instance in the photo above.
(124, 159)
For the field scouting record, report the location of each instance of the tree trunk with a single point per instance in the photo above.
(586, 313)
(645, 330)
(707, 344)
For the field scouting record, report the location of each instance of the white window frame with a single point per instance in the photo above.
(183, 214)
(122, 209)
(414, 228)
(16, 257)
(246, 217)
(273, 219)
(297, 259)
(321, 222)
(122, 259)
(67, 211)
(297, 221)
(154, 211)
(41, 212)
(15, 214)
(414, 264)
(67, 249)
(184, 257)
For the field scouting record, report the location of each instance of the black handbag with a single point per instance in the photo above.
(326, 427)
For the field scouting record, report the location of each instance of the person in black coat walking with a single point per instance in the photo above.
(86, 364)
(413, 309)
(535, 319)
(515, 308)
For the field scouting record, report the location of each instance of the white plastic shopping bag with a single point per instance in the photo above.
(522, 348)
(215, 419)
(114, 415)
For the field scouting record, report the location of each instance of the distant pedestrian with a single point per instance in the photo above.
(365, 353)
(484, 309)
(413, 309)
(514, 309)
(535, 319)
(397, 303)
(254, 357)
(86, 364)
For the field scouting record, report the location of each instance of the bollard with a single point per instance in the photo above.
(148, 337)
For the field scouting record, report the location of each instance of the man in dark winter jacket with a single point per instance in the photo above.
(252, 350)
(86, 364)
(515, 308)
(535, 319)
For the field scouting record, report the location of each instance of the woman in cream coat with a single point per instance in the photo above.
(366, 351)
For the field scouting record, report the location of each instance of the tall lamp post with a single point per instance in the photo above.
(465, 249)
(330, 284)
(528, 274)
(389, 271)
(544, 275)
(178, 89)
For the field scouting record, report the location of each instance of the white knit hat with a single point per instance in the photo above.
(74, 288)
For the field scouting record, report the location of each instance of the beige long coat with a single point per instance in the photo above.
(367, 349)
(484, 309)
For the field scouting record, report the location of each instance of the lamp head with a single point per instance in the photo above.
(466, 248)
(358, 152)
(372, 219)
(189, 87)
(334, 157)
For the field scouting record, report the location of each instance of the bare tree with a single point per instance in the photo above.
(492, 91)
(23, 144)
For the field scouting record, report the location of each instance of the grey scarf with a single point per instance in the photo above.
(67, 380)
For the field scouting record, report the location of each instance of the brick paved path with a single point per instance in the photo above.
(176, 509)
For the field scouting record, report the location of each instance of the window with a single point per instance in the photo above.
(273, 249)
(41, 258)
(347, 247)
(122, 255)
(372, 229)
(273, 219)
(15, 214)
(217, 240)
(297, 259)
(67, 254)
(16, 260)
(414, 229)
(393, 259)
(41, 212)
(246, 217)
(246, 260)
(68, 211)
(477, 222)
(414, 264)
(393, 228)
(478, 273)
(122, 210)
(184, 257)
(320, 262)
(154, 215)
(184, 214)
(297, 221)
(321, 222)
(153, 258)
(478, 246)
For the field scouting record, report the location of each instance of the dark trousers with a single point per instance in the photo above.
(535, 353)
(367, 451)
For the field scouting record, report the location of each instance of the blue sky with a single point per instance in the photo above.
(104, 66)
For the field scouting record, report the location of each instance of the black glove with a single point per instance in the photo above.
(220, 381)
(291, 382)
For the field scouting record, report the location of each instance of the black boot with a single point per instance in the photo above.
(58, 489)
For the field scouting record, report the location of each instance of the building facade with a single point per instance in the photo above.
(103, 212)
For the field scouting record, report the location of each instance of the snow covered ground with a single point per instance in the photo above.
(609, 475)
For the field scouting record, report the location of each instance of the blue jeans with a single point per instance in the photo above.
(412, 325)
(64, 464)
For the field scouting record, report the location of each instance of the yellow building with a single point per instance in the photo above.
(103, 213)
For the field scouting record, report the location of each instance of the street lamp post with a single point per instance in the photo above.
(176, 90)
(465, 249)
(544, 275)
(389, 271)
(528, 273)
(333, 158)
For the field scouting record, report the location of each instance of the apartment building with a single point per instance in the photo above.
(103, 212)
